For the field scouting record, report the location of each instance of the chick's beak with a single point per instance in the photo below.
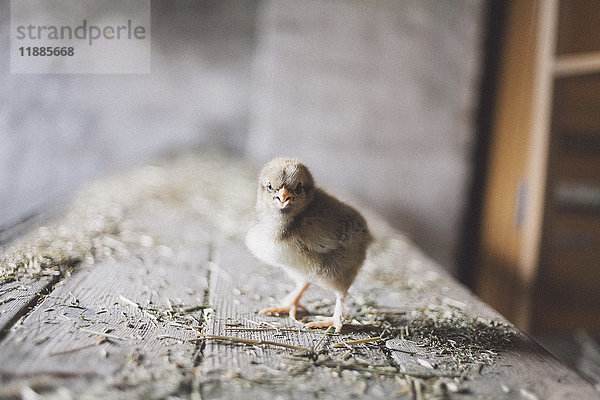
(283, 198)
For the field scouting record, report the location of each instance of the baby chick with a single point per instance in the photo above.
(312, 235)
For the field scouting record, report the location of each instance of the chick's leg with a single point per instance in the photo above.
(291, 303)
(338, 315)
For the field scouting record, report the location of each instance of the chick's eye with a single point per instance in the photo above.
(298, 188)
(269, 187)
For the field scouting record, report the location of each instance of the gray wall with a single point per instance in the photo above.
(377, 96)
(57, 131)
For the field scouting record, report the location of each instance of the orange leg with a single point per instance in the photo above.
(291, 303)
(338, 315)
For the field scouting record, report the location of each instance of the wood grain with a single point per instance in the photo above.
(18, 297)
(114, 321)
(132, 323)
(240, 287)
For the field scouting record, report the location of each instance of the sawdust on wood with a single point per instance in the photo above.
(100, 225)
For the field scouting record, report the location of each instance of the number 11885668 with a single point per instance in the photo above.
(47, 51)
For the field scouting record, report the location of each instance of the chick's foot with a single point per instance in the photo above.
(325, 323)
(290, 310)
(291, 302)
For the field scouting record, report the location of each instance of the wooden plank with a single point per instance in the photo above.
(412, 359)
(578, 64)
(18, 297)
(240, 287)
(154, 246)
(120, 320)
(515, 186)
(105, 330)
(528, 371)
(396, 278)
(399, 278)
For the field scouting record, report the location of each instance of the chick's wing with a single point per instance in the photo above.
(331, 225)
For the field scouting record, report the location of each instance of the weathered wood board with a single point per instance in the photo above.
(123, 322)
(18, 297)
(240, 287)
(169, 268)
(91, 323)
(521, 369)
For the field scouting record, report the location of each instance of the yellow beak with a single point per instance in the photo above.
(283, 198)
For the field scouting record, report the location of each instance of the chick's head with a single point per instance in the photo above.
(285, 186)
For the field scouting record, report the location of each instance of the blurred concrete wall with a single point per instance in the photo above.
(57, 131)
(377, 96)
